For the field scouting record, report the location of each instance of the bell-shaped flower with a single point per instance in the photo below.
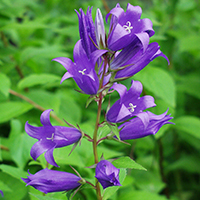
(126, 26)
(47, 181)
(87, 31)
(82, 70)
(107, 174)
(130, 103)
(50, 137)
(135, 60)
(135, 128)
(100, 30)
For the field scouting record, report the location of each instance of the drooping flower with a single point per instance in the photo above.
(107, 174)
(83, 68)
(139, 59)
(50, 137)
(1, 192)
(130, 103)
(47, 181)
(135, 128)
(87, 31)
(126, 26)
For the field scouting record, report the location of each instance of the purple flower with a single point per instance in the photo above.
(126, 26)
(47, 180)
(99, 29)
(50, 137)
(83, 69)
(1, 192)
(135, 59)
(130, 103)
(87, 31)
(107, 174)
(135, 128)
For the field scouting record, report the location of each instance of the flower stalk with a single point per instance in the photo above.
(95, 142)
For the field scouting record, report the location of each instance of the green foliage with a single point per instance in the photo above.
(159, 82)
(32, 33)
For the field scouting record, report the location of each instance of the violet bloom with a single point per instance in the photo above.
(135, 128)
(1, 192)
(47, 180)
(107, 174)
(126, 26)
(137, 61)
(87, 31)
(100, 30)
(83, 69)
(130, 103)
(50, 137)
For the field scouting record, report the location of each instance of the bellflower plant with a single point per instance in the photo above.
(47, 181)
(107, 174)
(100, 62)
(50, 137)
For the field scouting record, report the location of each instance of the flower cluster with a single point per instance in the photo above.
(118, 55)
(101, 61)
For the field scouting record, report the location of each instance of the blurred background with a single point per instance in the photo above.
(32, 33)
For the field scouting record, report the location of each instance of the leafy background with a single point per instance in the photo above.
(32, 33)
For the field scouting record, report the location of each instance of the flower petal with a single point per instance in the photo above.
(33, 131)
(45, 118)
(49, 156)
(121, 89)
(40, 147)
(66, 76)
(66, 62)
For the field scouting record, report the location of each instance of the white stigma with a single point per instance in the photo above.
(132, 107)
(51, 138)
(82, 72)
(128, 27)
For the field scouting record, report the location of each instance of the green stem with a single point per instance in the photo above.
(34, 104)
(98, 191)
(96, 160)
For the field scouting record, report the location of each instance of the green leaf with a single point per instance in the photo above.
(45, 99)
(185, 5)
(189, 84)
(49, 52)
(13, 109)
(108, 192)
(38, 79)
(141, 195)
(189, 124)
(4, 84)
(4, 187)
(20, 145)
(127, 162)
(189, 163)
(148, 180)
(24, 26)
(40, 197)
(189, 43)
(13, 171)
(18, 187)
(114, 129)
(69, 109)
(159, 82)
